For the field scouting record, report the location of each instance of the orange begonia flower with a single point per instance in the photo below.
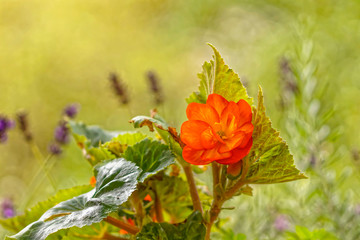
(218, 131)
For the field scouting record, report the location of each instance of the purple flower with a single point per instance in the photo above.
(62, 133)
(281, 223)
(7, 208)
(5, 125)
(55, 149)
(71, 110)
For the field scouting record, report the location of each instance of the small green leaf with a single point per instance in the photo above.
(272, 161)
(94, 135)
(218, 78)
(150, 156)
(99, 144)
(17, 223)
(116, 180)
(191, 229)
(167, 133)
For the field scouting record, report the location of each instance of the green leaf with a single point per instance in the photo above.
(218, 78)
(273, 162)
(99, 144)
(17, 223)
(140, 121)
(94, 135)
(168, 134)
(118, 144)
(116, 180)
(150, 156)
(191, 229)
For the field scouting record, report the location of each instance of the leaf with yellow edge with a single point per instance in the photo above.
(270, 156)
(218, 78)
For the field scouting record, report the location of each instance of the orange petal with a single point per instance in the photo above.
(245, 112)
(191, 133)
(218, 102)
(233, 142)
(214, 154)
(237, 154)
(202, 112)
(208, 138)
(193, 156)
(230, 117)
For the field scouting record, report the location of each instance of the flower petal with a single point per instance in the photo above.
(218, 102)
(230, 118)
(237, 154)
(245, 112)
(208, 138)
(202, 112)
(214, 154)
(191, 132)
(233, 142)
(193, 156)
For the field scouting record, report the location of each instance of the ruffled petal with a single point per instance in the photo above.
(208, 138)
(193, 156)
(237, 154)
(214, 154)
(218, 102)
(202, 112)
(191, 132)
(233, 142)
(245, 113)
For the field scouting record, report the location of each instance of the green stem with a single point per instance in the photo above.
(192, 187)
(40, 158)
(32, 182)
(158, 208)
(139, 208)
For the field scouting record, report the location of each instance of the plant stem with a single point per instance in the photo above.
(120, 224)
(192, 187)
(158, 208)
(112, 237)
(138, 205)
(40, 158)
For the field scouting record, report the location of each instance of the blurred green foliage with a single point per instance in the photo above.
(54, 53)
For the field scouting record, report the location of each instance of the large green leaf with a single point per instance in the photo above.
(218, 78)
(150, 156)
(17, 223)
(272, 161)
(116, 180)
(191, 229)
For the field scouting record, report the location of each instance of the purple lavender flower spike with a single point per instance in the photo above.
(71, 110)
(55, 149)
(5, 125)
(7, 208)
(62, 133)
(281, 223)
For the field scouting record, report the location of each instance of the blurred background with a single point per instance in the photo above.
(305, 55)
